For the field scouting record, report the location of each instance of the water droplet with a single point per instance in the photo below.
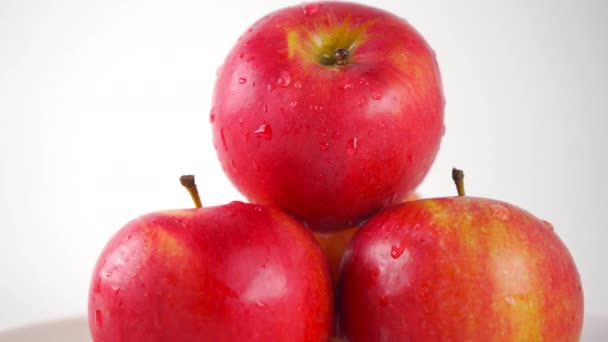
(549, 225)
(258, 208)
(108, 274)
(510, 300)
(297, 85)
(265, 108)
(322, 175)
(397, 250)
(383, 301)
(241, 55)
(224, 144)
(98, 319)
(98, 284)
(317, 108)
(233, 165)
(212, 116)
(259, 304)
(263, 132)
(376, 95)
(115, 289)
(241, 121)
(351, 146)
(284, 79)
(242, 80)
(323, 146)
(362, 100)
(346, 85)
(363, 81)
(410, 158)
(271, 86)
(395, 197)
(323, 132)
(252, 84)
(310, 9)
(292, 104)
(500, 212)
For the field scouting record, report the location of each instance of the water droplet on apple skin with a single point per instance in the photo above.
(376, 95)
(310, 9)
(98, 319)
(223, 138)
(323, 146)
(284, 79)
(263, 132)
(549, 225)
(397, 251)
(115, 289)
(510, 300)
(242, 80)
(351, 146)
(500, 212)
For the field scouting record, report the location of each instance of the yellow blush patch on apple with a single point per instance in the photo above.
(517, 306)
(515, 302)
(322, 38)
(168, 245)
(162, 242)
(181, 213)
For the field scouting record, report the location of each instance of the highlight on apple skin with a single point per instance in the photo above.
(330, 111)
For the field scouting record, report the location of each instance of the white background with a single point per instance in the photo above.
(103, 104)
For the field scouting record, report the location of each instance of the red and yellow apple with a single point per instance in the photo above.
(237, 272)
(330, 111)
(458, 269)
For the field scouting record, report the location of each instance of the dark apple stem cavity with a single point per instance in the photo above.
(339, 57)
(188, 182)
(458, 177)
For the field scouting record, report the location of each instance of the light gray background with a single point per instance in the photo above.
(103, 104)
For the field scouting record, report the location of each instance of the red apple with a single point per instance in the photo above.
(237, 272)
(458, 269)
(329, 111)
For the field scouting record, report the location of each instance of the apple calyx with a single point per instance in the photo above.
(188, 182)
(458, 178)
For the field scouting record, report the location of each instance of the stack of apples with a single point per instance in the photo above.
(326, 117)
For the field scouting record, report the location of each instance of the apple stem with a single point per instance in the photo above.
(458, 177)
(188, 182)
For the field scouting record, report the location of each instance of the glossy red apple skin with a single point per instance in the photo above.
(238, 272)
(328, 144)
(458, 269)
